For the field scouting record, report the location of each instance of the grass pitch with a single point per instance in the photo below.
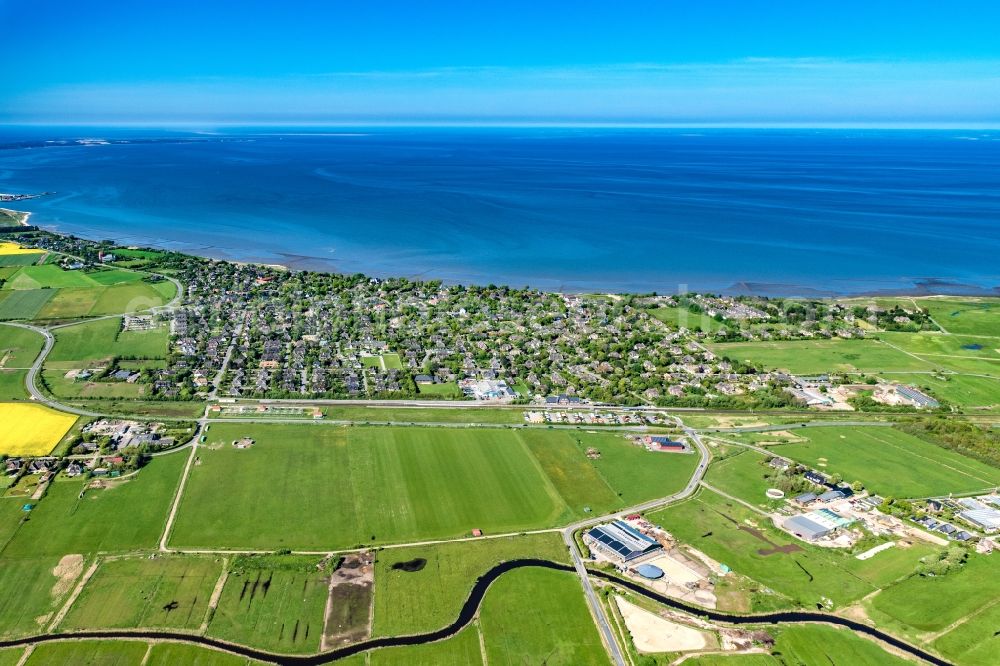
(31, 430)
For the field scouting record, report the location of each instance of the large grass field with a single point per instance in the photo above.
(315, 486)
(808, 357)
(534, 616)
(30, 592)
(933, 344)
(127, 515)
(684, 318)
(172, 654)
(24, 304)
(807, 645)
(103, 339)
(955, 614)
(12, 385)
(89, 653)
(48, 276)
(165, 592)
(890, 462)
(973, 316)
(31, 429)
(409, 602)
(719, 528)
(460, 650)
(19, 347)
(742, 476)
(427, 415)
(968, 391)
(273, 602)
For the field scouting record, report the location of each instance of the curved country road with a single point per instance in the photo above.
(467, 614)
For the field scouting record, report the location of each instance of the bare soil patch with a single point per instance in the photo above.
(349, 604)
(68, 570)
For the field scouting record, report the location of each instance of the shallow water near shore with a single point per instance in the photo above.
(774, 212)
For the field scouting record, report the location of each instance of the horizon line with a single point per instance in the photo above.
(472, 124)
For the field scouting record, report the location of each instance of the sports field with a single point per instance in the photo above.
(809, 357)
(890, 462)
(164, 592)
(31, 430)
(409, 602)
(317, 486)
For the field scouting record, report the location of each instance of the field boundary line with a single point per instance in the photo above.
(25, 655)
(179, 492)
(962, 620)
(64, 611)
(482, 641)
(213, 601)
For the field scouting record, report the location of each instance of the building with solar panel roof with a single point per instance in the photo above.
(620, 541)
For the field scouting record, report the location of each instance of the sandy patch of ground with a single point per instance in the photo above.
(675, 571)
(68, 570)
(652, 633)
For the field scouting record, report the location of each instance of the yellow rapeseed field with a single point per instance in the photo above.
(31, 430)
(13, 248)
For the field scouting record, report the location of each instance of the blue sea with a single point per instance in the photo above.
(792, 212)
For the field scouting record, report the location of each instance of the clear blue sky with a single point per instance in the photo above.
(777, 62)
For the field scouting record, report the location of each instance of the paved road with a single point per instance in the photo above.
(581, 569)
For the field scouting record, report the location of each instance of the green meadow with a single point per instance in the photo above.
(317, 486)
(410, 602)
(684, 318)
(163, 592)
(273, 602)
(129, 514)
(461, 649)
(971, 316)
(24, 304)
(534, 616)
(725, 531)
(19, 347)
(102, 339)
(30, 592)
(809, 357)
(889, 462)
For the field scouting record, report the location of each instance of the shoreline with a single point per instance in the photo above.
(919, 288)
(24, 216)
